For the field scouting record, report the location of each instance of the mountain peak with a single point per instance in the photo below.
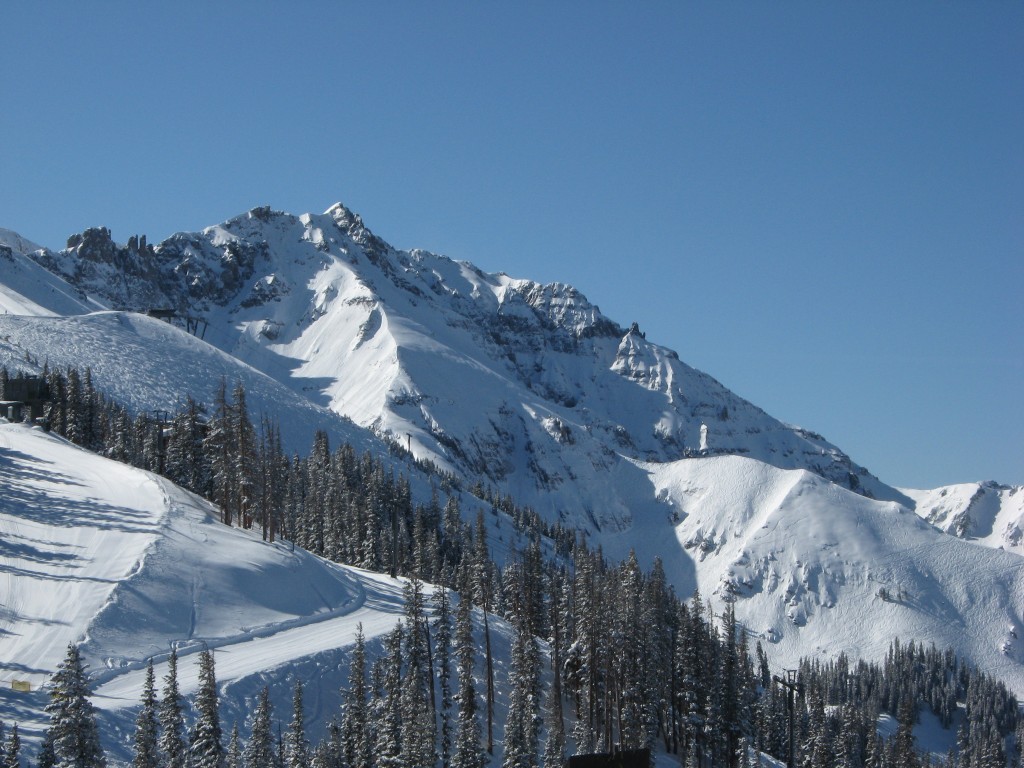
(344, 217)
(16, 242)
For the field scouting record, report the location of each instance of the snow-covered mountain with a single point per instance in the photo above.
(989, 513)
(528, 389)
(524, 387)
(815, 567)
(27, 289)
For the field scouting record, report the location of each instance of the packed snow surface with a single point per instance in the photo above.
(128, 565)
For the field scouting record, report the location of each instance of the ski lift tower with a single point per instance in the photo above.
(161, 421)
(791, 682)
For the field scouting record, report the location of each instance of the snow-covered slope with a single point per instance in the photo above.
(988, 513)
(817, 569)
(524, 387)
(148, 364)
(28, 289)
(129, 565)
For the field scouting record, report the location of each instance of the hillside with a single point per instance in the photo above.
(127, 564)
(815, 568)
(148, 364)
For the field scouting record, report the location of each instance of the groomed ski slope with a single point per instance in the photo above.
(129, 565)
(71, 529)
(124, 562)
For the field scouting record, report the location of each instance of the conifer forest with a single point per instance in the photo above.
(605, 656)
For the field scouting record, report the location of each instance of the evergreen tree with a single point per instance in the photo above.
(482, 594)
(233, 758)
(259, 751)
(390, 728)
(12, 749)
(522, 728)
(443, 640)
(219, 447)
(417, 720)
(205, 747)
(173, 749)
(298, 746)
(73, 731)
(904, 755)
(147, 748)
(468, 752)
(187, 461)
(329, 752)
(47, 758)
(243, 436)
(354, 730)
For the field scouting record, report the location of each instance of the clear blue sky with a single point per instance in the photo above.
(820, 204)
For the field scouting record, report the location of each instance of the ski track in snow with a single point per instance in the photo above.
(70, 532)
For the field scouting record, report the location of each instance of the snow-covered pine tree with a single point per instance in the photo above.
(418, 735)
(173, 748)
(390, 730)
(244, 455)
(12, 749)
(628, 656)
(554, 744)
(73, 731)
(206, 749)
(585, 665)
(259, 750)
(147, 748)
(46, 757)
(74, 412)
(468, 752)
(89, 413)
(482, 595)
(443, 643)
(904, 755)
(310, 523)
(657, 620)
(297, 747)
(233, 758)
(522, 724)
(354, 731)
(187, 462)
(218, 447)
